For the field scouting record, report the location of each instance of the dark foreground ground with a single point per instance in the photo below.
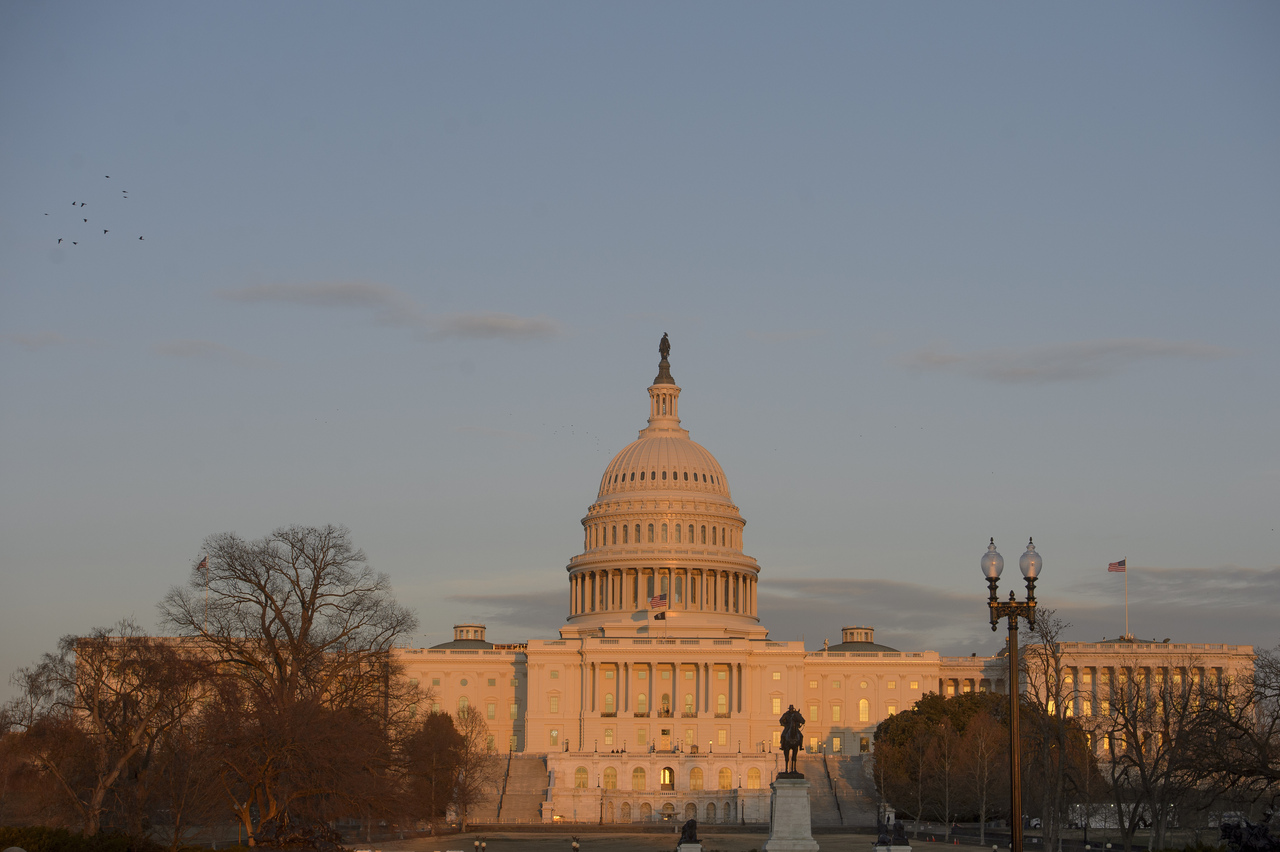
(515, 842)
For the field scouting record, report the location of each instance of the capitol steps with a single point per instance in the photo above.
(823, 808)
(525, 790)
(855, 788)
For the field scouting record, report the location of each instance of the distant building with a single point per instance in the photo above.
(661, 696)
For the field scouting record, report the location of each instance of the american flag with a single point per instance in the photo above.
(658, 601)
(1117, 567)
(204, 564)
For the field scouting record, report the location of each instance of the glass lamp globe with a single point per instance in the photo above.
(992, 562)
(1030, 562)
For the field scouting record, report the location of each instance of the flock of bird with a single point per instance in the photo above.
(79, 205)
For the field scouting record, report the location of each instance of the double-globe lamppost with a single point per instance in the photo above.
(1013, 609)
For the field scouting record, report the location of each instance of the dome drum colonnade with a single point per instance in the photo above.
(664, 523)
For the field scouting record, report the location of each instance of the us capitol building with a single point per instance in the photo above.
(661, 697)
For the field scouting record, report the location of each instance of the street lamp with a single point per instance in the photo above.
(1013, 609)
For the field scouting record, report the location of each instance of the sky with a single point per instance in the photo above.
(932, 273)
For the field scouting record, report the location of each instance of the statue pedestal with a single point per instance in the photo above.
(689, 847)
(899, 848)
(790, 828)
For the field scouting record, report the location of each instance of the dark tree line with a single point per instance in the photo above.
(276, 702)
(1152, 746)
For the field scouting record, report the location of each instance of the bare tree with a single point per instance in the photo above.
(477, 774)
(1051, 692)
(984, 769)
(301, 630)
(945, 758)
(90, 717)
(1240, 719)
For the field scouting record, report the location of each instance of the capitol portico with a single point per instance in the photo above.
(662, 694)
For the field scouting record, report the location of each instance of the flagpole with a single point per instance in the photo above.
(1126, 597)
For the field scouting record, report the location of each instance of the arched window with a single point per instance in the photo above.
(704, 533)
(642, 703)
(688, 704)
(646, 811)
(695, 778)
(664, 533)
(463, 704)
(624, 534)
(637, 533)
(666, 704)
(753, 779)
(691, 533)
(555, 738)
(624, 812)
(722, 704)
(642, 476)
(608, 736)
(679, 588)
(580, 778)
(615, 533)
(637, 778)
(651, 533)
(735, 592)
(668, 777)
(864, 710)
(608, 702)
(711, 812)
(611, 779)
(633, 476)
(726, 778)
(713, 535)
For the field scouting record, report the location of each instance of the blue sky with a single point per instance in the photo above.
(931, 273)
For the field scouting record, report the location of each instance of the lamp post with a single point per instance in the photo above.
(1013, 609)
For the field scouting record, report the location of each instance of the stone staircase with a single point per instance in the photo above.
(854, 788)
(523, 790)
(823, 807)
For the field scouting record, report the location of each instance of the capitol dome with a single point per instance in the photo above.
(662, 543)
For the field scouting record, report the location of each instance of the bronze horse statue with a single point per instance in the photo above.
(792, 738)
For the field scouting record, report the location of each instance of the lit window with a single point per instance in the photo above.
(835, 712)
(642, 735)
(777, 675)
(915, 684)
(555, 738)
(722, 736)
(555, 704)
(753, 778)
(608, 674)
(813, 684)
(695, 778)
(835, 684)
(863, 684)
(580, 778)
(611, 776)
(515, 709)
(864, 744)
(720, 675)
(637, 778)
(492, 710)
(726, 778)
(608, 737)
(893, 684)
(864, 710)
(777, 706)
(835, 745)
(893, 708)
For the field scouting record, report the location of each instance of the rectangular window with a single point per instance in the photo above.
(435, 681)
(721, 675)
(813, 711)
(515, 709)
(555, 674)
(777, 739)
(777, 706)
(511, 743)
(489, 742)
(666, 674)
(515, 681)
(893, 684)
(777, 675)
(813, 684)
(813, 743)
(492, 710)
(864, 744)
(835, 745)
(835, 712)
(893, 708)
(835, 684)
(951, 690)
(435, 706)
(915, 684)
(608, 736)
(608, 674)
(642, 735)
(555, 706)
(643, 675)
(493, 681)
(413, 681)
(555, 738)
(722, 736)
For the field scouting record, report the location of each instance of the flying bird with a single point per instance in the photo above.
(59, 240)
(108, 177)
(81, 203)
(86, 220)
(104, 230)
(139, 237)
(74, 243)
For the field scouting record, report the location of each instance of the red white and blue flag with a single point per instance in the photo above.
(1117, 567)
(658, 601)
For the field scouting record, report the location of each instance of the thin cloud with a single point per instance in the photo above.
(397, 309)
(488, 325)
(207, 350)
(38, 340)
(785, 336)
(1064, 362)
